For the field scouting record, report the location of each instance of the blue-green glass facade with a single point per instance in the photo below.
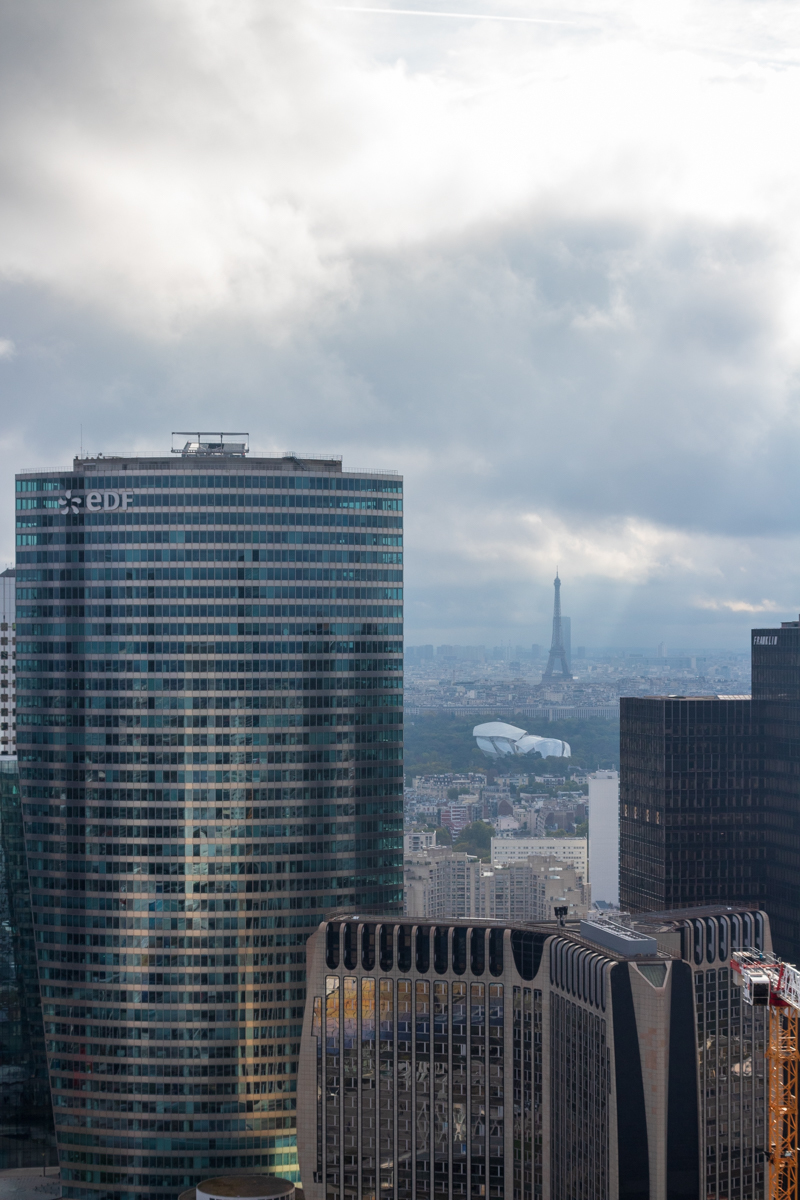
(209, 666)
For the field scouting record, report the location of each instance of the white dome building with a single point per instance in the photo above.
(499, 740)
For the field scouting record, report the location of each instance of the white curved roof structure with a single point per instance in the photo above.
(499, 740)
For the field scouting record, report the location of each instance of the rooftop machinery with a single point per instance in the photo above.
(767, 982)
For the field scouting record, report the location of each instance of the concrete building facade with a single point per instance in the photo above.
(488, 1060)
(604, 836)
(444, 885)
(573, 850)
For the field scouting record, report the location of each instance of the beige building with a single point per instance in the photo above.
(448, 885)
(531, 890)
(573, 850)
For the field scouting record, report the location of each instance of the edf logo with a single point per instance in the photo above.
(95, 501)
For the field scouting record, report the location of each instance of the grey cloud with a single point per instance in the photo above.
(200, 223)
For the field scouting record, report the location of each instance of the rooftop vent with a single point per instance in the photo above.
(617, 937)
(210, 444)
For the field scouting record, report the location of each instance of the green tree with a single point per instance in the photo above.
(476, 839)
(437, 742)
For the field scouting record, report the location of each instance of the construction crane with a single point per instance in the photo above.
(767, 982)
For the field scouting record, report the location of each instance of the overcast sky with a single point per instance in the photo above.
(547, 268)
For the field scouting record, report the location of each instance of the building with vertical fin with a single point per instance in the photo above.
(210, 750)
(503, 1061)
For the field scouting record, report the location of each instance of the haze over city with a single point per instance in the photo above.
(544, 266)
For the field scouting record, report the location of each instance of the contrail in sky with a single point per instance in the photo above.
(415, 12)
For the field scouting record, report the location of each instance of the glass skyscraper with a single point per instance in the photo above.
(209, 667)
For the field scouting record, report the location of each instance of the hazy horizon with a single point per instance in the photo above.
(544, 267)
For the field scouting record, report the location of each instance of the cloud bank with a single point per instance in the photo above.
(548, 271)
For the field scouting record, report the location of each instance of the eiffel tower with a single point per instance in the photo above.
(557, 651)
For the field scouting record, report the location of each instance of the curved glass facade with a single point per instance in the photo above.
(210, 746)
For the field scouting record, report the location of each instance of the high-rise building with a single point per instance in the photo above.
(690, 830)
(776, 729)
(8, 669)
(604, 836)
(532, 1062)
(33, 1106)
(210, 743)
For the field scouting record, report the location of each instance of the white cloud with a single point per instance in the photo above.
(741, 606)
(549, 272)
(7, 348)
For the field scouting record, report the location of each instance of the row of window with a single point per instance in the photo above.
(332, 483)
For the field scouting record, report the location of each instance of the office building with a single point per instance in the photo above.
(532, 1062)
(8, 669)
(572, 850)
(22, 1045)
(210, 745)
(776, 730)
(604, 836)
(690, 827)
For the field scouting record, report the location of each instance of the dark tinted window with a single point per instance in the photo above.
(350, 947)
(496, 952)
(724, 939)
(459, 951)
(387, 949)
(478, 951)
(711, 939)
(404, 948)
(423, 948)
(332, 947)
(368, 947)
(697, 935)
(440, 950)
(527, 951)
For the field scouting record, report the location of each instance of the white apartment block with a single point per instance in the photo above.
(570, 850)
(417, 841)
(8, 676)
(604, 835)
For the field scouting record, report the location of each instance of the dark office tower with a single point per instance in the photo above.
(689, 818)
(776, 715)
(210, 731)
(30, 1106)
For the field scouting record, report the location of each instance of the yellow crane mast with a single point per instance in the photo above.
(769, 983)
